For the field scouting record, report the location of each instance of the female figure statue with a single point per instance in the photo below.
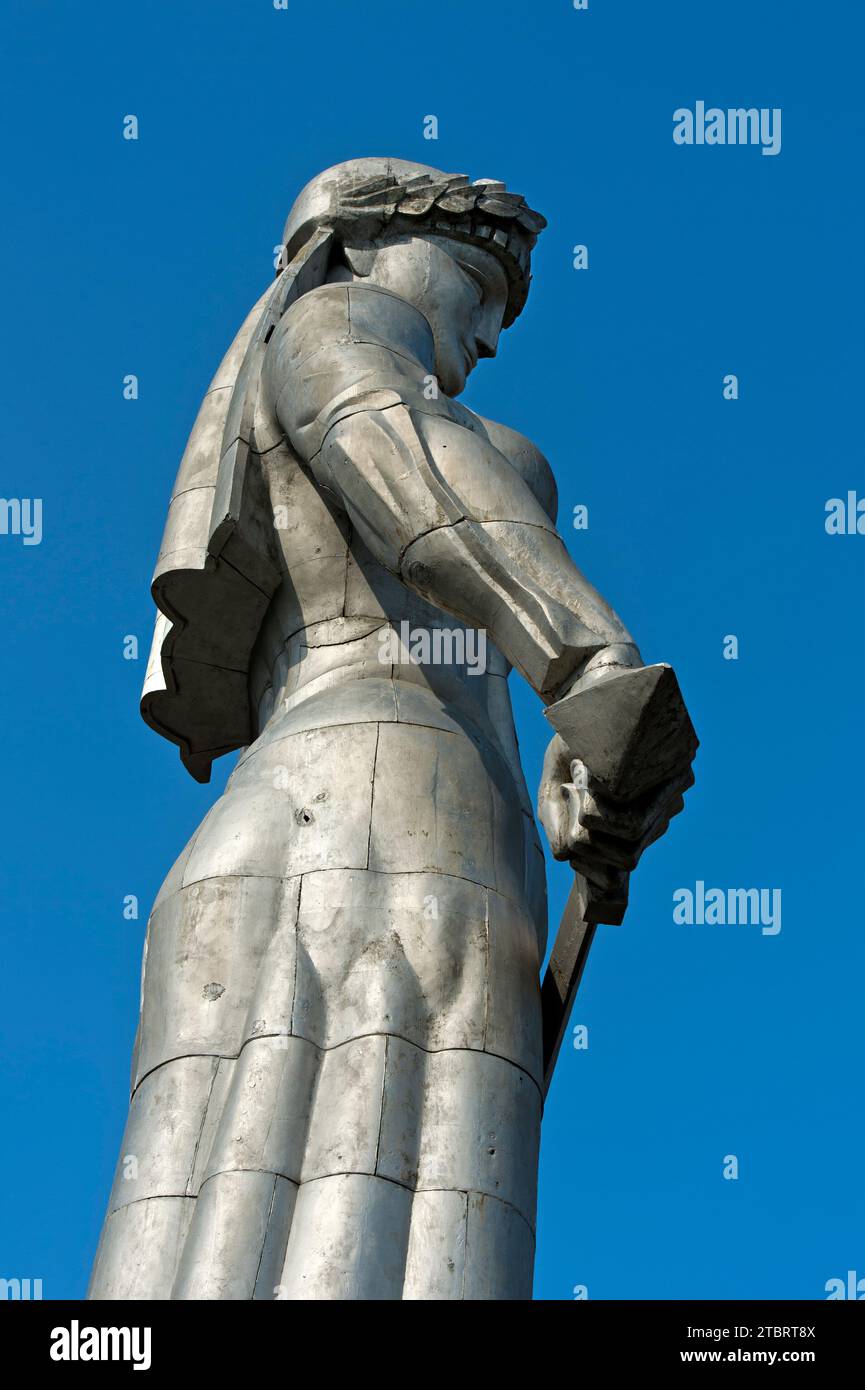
(336, 1083)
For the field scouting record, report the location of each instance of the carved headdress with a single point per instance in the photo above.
(367, 200)
(218, 568)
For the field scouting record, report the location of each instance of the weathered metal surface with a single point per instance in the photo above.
(339, 1071)
(563, 974)
(630, 726)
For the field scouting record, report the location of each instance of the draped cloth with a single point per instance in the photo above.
(217, 568)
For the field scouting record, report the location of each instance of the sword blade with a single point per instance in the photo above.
(564, 972)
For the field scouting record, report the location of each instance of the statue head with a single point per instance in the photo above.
(459, 251)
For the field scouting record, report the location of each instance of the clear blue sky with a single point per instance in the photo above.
(706, 519)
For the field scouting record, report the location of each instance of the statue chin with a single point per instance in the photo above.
(452, 379)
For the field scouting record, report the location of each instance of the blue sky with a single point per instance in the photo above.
(706, 518)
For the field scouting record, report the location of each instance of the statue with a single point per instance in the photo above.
(339, 1070)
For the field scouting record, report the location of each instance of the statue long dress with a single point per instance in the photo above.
(336, 1088)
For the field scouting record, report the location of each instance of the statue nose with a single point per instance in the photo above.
(484, 348)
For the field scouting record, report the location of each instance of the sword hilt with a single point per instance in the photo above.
(633, 732)
(630, 727)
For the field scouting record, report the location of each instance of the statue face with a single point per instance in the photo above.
(460, 289)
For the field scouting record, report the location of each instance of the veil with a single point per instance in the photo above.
(217, 568)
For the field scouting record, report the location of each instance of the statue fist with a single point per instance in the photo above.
(602, 839)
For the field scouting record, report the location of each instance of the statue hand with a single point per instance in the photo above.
(602, 839)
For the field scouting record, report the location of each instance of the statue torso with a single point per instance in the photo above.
(322, 643)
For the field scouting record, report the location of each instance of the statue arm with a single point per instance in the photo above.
(438, 505)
